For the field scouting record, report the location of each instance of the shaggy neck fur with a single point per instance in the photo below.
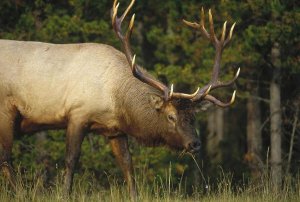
(138, 118)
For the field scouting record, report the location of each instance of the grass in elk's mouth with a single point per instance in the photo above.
(30, 187)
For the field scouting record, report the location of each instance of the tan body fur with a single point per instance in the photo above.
(83, 88)
(48, 83)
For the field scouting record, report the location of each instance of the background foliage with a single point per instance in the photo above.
(175, 54)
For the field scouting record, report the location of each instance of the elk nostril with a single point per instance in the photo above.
(194, 146)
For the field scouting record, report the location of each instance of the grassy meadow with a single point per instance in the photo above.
(30, 187)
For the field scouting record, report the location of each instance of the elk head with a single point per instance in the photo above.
(174, 111)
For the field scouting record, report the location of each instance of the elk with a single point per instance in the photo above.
(92, 87)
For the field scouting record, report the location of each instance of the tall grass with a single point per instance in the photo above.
(30, 187)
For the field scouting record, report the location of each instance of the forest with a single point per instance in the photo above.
(253, 143)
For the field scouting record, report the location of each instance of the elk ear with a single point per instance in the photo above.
(156, 101)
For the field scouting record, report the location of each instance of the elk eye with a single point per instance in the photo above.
(172, 117)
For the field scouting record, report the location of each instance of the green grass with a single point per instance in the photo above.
(87, 189)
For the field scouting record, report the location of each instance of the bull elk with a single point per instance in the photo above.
(95, 88)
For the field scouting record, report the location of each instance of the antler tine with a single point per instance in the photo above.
(191, 24)
(172, 90)
(223, 32)
(114, 12)
(184, 95)
(202, 93)
(220, 103)
(228, 83)
(131, 24)
(202, 22)
(200, 26)
(127, 10)
(212, 34)
(205, 90)
(230, 35)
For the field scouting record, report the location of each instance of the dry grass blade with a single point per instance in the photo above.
(193, 157)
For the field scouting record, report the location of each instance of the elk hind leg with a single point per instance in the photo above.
(6, 143)
(75, 136)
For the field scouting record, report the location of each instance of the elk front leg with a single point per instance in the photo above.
(75, 136)
(119, 145)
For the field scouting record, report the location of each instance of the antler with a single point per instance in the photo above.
(116, 23)
(219, 45)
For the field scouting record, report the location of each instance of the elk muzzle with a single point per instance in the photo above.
(193, 146)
